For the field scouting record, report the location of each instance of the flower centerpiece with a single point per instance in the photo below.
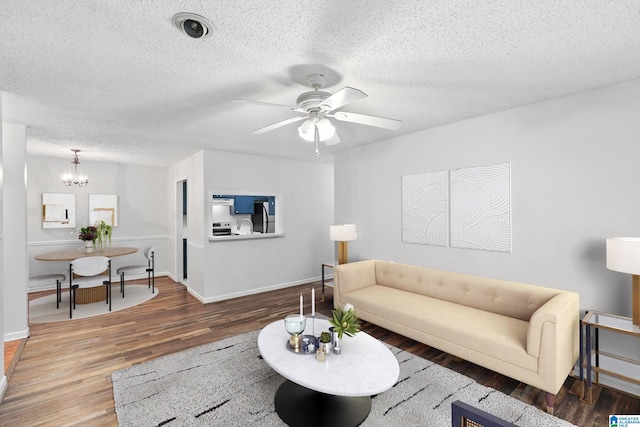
(87, 233)
(103, 233)
(88, 236)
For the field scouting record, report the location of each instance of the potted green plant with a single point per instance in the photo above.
(325, 341)
(325, 346)
(103, 233)
(345, 321)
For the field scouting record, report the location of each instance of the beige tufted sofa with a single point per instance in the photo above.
(529, 333)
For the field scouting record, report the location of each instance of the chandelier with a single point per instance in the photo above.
(79, 180)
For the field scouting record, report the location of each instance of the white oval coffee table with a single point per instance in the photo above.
(335, 392)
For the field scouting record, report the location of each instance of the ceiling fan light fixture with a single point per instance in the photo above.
(317, 105)
(307, 130)
(326, 129)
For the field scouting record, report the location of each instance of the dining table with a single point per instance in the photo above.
(71, 254)
(87, 295)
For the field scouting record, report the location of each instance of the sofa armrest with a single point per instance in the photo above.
(351, 276)
(562, 311)
(553, 338)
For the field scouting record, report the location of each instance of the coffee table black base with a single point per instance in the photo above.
(299, 406)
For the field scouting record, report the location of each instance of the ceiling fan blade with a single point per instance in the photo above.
(333, 140)
(342, 97)
(365, 119)
(279, 124)
(268, 104)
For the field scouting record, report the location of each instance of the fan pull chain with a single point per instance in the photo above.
(317, 137)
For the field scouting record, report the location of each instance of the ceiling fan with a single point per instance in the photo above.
(318, 106)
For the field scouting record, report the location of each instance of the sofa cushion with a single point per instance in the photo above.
(498, 336)
(497, 296)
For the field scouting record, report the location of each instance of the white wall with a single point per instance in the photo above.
(236, 268)
(14, 149)
(191, 170)
(142, 209)
(3, 377)
(575, 176)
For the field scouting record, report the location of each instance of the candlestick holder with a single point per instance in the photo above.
(295, 324)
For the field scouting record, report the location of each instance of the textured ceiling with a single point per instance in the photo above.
(117, 80)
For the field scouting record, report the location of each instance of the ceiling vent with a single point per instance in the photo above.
(195, 26)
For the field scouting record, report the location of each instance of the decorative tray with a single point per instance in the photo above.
(302, 350)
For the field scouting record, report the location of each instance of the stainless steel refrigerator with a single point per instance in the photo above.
(262, 221)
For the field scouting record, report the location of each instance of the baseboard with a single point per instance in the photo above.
(250, 291)
(17, 335)
(14, 359)
(197, 295)
(4, 385)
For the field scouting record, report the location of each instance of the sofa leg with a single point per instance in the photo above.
(551, 398)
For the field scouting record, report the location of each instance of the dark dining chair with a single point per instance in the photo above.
(149, 268)
(46, 279)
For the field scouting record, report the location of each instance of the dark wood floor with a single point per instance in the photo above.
(63, 374)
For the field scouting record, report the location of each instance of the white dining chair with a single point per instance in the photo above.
(89, 273)
(149, 268)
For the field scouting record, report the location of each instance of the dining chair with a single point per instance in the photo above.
(46, 279)
(149, 268)
(89, 273)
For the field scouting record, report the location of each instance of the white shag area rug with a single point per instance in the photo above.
(226, 383)
(43, 309)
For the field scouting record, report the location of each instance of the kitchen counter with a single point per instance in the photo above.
(245, 237)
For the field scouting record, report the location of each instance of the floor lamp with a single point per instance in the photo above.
(623, 255)
(342, 234)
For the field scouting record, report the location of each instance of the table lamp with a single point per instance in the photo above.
(623, 255)
(342, 234)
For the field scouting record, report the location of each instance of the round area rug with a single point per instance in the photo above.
(42, 310)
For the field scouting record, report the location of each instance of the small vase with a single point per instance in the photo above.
(335, 342)
(101, 245)
(88, 246)
(325, 347)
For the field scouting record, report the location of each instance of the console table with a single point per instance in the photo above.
(328, 265)
(591, 355)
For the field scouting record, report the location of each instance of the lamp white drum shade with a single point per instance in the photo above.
(623, 254)
(342, 232)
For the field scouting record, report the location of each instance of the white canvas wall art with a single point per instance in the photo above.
(425, 208)
(480, 207)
